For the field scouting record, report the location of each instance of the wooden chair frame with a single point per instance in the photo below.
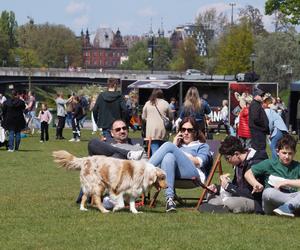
(194, 182)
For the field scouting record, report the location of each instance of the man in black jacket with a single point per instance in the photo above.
(236, 194)
(258, 122)
(109, 106)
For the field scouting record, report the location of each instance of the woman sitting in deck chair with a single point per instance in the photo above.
(188, 156)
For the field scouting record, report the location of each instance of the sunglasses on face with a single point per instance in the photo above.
(121, 128)
(189, 130)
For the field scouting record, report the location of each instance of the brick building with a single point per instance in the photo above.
(105, 51)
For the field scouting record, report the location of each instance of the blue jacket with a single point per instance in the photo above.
(199, 116)
(275, 122)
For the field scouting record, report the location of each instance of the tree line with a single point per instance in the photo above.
(228, 49)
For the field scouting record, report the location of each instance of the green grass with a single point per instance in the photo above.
(38, 211)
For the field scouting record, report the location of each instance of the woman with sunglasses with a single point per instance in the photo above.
(186, 157)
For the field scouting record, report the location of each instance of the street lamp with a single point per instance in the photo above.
(232, 4)
(252, 60)
(66, 61)
(17, 59)
(151, 49)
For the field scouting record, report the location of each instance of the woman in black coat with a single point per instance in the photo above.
(14, 120)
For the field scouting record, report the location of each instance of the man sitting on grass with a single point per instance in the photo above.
(236, 195)
(121, 146)
(282, 178)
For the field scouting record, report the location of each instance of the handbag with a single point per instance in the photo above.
(167, 123)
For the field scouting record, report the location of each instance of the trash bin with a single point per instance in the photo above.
(54, 116)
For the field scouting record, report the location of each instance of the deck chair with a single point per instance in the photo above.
(195, 182)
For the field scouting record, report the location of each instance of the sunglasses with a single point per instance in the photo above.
(121, 128)
(189, 130)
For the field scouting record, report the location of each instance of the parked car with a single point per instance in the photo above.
(194, 74)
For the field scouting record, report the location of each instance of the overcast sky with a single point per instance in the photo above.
(130, 16)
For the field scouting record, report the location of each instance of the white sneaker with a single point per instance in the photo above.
(41, 141)
(73, 139)
(77, 140)
(10, 150)
(135, 155)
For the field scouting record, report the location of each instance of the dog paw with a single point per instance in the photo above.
(136, 212)
(117, 208)
(105, 211)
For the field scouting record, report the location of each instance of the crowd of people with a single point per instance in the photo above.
(259, 184)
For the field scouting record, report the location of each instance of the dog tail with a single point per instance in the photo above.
(66, 160)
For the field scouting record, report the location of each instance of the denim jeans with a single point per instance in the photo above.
(14, 140)
(273, 198)
(274, 141)
(175, 163)
(155, 144)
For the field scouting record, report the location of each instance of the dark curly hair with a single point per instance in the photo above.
(230, 145)
(287, 141)
(198, 135)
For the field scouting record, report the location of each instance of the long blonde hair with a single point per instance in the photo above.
(192, 101)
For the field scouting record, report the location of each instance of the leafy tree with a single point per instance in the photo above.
(290, 8)
(162, 54)
(278, 54)
(211, 23)
(52, 43)
(234, 49)
(187, 56)
(253, 17)
(137, 57)
(8, 26)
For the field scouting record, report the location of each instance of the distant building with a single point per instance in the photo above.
(201, 35)
(105, 51)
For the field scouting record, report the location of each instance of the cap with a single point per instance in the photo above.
(258, 91)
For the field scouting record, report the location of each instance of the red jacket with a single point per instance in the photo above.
(244, 130)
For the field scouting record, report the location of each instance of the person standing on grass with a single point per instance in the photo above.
(110, 106)
(281, 180)
(276, 125)
(45, 118)
(77, 115)
(61, 114)
(13, 120)
(224, 117)
(258, 122)
(152, 113)
(195, 107)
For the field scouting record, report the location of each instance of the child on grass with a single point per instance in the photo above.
(282, 178)
(45, 118)
(235, 195)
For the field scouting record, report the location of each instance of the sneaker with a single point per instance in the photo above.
(170, 206)
(41, 141)
(77, 140)
(217, 133)
(135, 155)
(73, 139)
(10, 150)
(285, 210)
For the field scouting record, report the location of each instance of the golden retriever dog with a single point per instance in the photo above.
(119, 177)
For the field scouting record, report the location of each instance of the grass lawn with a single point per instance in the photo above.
(38, 211)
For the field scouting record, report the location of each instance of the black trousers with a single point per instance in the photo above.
(75, 128)
(60, 126)
(97, 147)
(258, 140)
(298, 128)
(44, 131)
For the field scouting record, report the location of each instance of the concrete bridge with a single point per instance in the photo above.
(55, 76)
